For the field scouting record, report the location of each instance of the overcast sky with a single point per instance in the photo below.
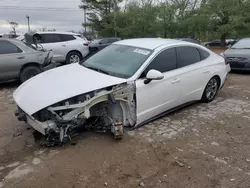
(63, 20)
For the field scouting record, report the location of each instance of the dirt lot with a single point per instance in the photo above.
(201, 146)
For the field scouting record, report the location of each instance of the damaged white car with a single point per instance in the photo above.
(128, 84)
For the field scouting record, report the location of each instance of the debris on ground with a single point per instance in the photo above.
(180, 163)
(142, 184)
(17, 134)
(106, 184)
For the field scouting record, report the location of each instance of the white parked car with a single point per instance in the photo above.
(66, 46)
(127, 83)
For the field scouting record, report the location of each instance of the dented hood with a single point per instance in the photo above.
(59, 84)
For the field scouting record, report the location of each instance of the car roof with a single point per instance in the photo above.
(57, 32)
(12, 40)
(150, 43)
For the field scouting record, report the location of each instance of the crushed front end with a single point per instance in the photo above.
(105, 110)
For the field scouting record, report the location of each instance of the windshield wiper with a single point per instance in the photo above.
(96, 69)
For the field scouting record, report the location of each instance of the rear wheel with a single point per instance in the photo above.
(73, 57)
(211, 90)
(29, 72)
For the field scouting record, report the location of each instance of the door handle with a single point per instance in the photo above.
(176, 81)
(22, 57)
(206, 71)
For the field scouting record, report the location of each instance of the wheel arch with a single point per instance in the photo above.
(29, 64)
(77, 51)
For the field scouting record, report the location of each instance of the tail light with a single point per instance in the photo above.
(86, 44)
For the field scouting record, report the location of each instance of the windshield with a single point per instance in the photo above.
(118, 60)
(242, 44)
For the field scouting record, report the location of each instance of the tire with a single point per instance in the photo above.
(211, 90)
(29, 72)
(73, 57)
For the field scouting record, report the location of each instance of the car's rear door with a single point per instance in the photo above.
(161, 95)
(195, 72)
(12, 59)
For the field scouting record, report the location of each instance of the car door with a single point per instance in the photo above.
(195, 72)
(161, 95)
(11, 60)
(53, 42)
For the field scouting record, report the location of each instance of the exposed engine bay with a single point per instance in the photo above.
(105, 110)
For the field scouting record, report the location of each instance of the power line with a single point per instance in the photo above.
(38, 8)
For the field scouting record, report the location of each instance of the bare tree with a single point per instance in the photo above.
(13, 25)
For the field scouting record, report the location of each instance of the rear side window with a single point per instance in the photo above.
(66, 37)
(188, 55)
(104, 41)
(112, 40)
(8, 48)
(204, 54)
(49, 38)
(165, 61)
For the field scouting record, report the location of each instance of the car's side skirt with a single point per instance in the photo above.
(163, 114)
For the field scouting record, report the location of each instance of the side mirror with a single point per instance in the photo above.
(153, 75)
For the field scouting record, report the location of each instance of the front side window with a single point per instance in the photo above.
(118, 60)
(164, 61)
(8, 48)
(49, 38)
(187, 56)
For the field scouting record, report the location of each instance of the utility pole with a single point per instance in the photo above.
(114, 7)
(28, 18)
(85, 19)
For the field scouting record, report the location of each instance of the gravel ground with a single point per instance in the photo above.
(203, 145)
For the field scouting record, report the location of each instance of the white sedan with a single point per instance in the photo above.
(128, 83)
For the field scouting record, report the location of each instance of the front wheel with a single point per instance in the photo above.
(29, 72)
(211, 90)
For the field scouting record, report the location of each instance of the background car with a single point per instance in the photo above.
(67, 47)
(20, 61)
(213, 44)
(189, 40)
(238, 55)
(99, 44)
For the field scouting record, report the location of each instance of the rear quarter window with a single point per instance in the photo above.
(204, 54)
(66, 37)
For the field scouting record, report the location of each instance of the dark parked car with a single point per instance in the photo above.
(238, 55)
(99, 44)
(213, 44)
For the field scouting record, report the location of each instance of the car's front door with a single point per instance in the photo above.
(11, 60)
(161, 95)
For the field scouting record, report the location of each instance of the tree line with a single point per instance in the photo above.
(200, 19)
